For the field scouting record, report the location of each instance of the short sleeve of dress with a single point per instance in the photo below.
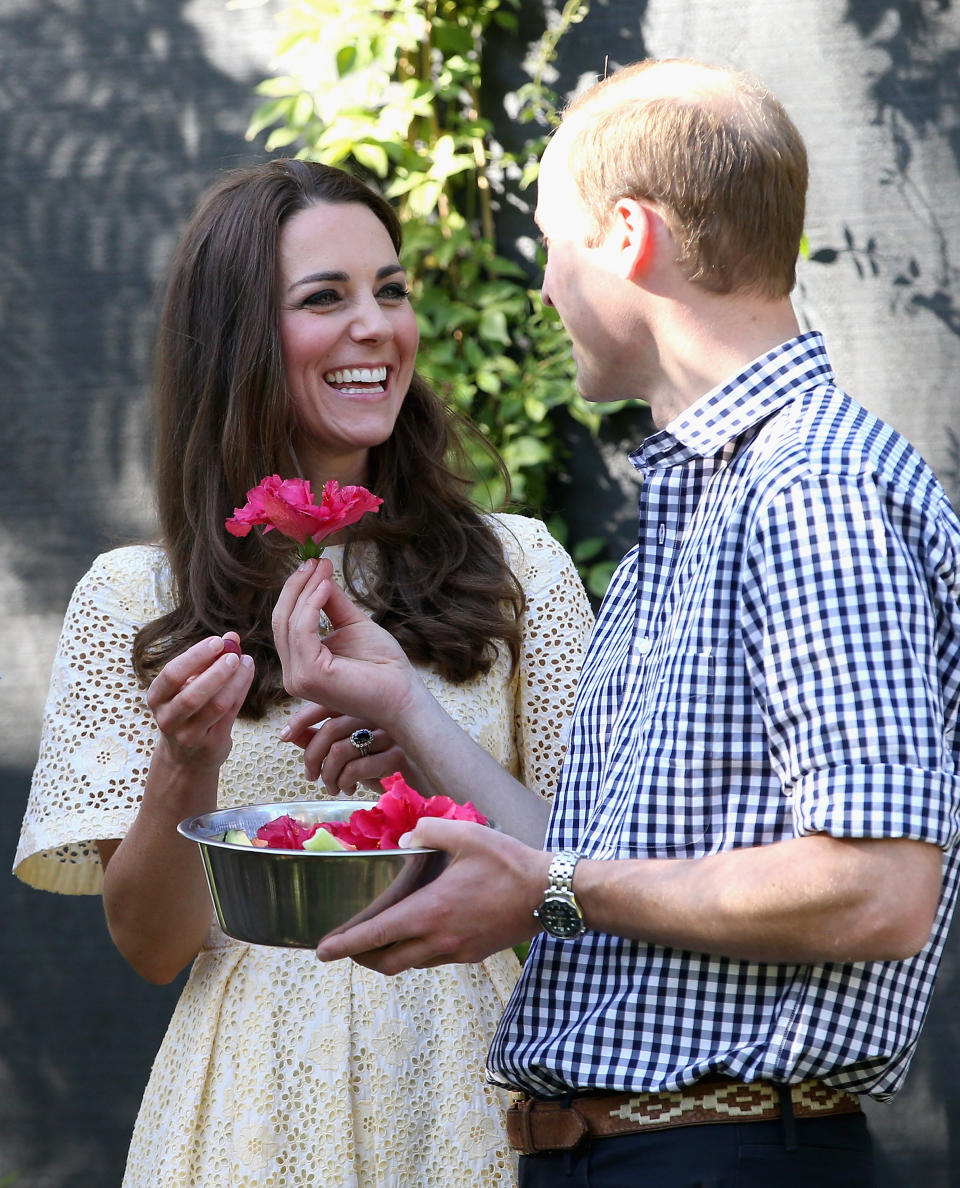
(557, 623)
(98, 734)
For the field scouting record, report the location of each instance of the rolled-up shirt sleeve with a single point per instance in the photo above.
(851, 630)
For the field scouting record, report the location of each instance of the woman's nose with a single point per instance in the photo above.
(371, 322)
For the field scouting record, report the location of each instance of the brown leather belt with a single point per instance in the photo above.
(534, 1124)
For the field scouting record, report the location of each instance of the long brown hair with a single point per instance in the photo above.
(223, 420)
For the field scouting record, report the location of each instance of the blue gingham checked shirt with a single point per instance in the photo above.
(779, 655)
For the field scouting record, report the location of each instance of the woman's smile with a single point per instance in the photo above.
(358, 381)
(348, 333)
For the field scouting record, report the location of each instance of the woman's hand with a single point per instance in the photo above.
(330, 756)
(154, 891)
(359, 671)
(196, 697)
(356, 669)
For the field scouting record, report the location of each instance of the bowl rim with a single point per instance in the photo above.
(186, 828)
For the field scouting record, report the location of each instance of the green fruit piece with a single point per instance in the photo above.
(236, 837)
(323, 839)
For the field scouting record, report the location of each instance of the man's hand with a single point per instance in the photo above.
(482, 903)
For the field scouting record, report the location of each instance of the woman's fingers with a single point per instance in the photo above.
(291, 605)
(183, 670)
(196, 697)
(344, 767)
(331, 754)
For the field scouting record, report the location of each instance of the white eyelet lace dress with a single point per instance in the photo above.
(277, 1071)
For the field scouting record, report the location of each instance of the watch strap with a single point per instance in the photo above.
(560, 874)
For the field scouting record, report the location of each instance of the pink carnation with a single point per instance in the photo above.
(288, 505)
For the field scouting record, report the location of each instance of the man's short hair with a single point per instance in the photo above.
(720, 159)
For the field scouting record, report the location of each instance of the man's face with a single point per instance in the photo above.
(581, 282)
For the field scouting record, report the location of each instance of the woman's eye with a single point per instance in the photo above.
(395, 291)
(322, 297)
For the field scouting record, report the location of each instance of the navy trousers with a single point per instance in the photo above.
(834, 1152)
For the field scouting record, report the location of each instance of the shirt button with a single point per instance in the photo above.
(661, 534)
(644, 645)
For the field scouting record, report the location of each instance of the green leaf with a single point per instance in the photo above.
(453, 39)
(558, 529)
(346, 59)
(535, 408)
(282, 85)
(373, 157)
(587, 549)
(493, 326)
(423, 200)
(488, 381)
(598, 577)
(524, 451)
(281, 138)
(302, 109)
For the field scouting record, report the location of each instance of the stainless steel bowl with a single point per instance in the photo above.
(292, 898)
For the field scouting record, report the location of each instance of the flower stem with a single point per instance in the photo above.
(310, 549)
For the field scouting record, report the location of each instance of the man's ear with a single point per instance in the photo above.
(634, 231)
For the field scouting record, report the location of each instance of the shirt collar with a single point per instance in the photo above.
(732, 408)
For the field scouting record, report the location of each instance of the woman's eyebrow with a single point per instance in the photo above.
(343, 277)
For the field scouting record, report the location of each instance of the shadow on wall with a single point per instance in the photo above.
(78, 1032)
(113, 119)
(916, 93)
(114, 114)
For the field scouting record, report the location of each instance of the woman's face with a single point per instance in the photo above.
(348, 334)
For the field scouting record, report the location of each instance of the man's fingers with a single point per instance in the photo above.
(365, 939)
(440, 833)
(395, 959)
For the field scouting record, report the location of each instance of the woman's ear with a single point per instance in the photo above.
(635, 232)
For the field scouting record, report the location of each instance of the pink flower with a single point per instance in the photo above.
(288, 505)
(285, 833)
(377, 828)
(396, 813)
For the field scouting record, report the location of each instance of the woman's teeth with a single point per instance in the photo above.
(357, 375)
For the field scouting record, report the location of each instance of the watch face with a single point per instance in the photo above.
(560, 918)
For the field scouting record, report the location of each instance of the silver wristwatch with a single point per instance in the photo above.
(560, 914)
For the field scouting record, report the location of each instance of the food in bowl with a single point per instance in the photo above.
(378, 828)
(291, 896)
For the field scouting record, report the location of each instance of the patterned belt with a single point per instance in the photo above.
(536, 1125)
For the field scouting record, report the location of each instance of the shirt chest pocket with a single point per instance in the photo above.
(701, 677)
(688, 677)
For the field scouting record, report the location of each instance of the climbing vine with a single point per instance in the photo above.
(393, 92)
